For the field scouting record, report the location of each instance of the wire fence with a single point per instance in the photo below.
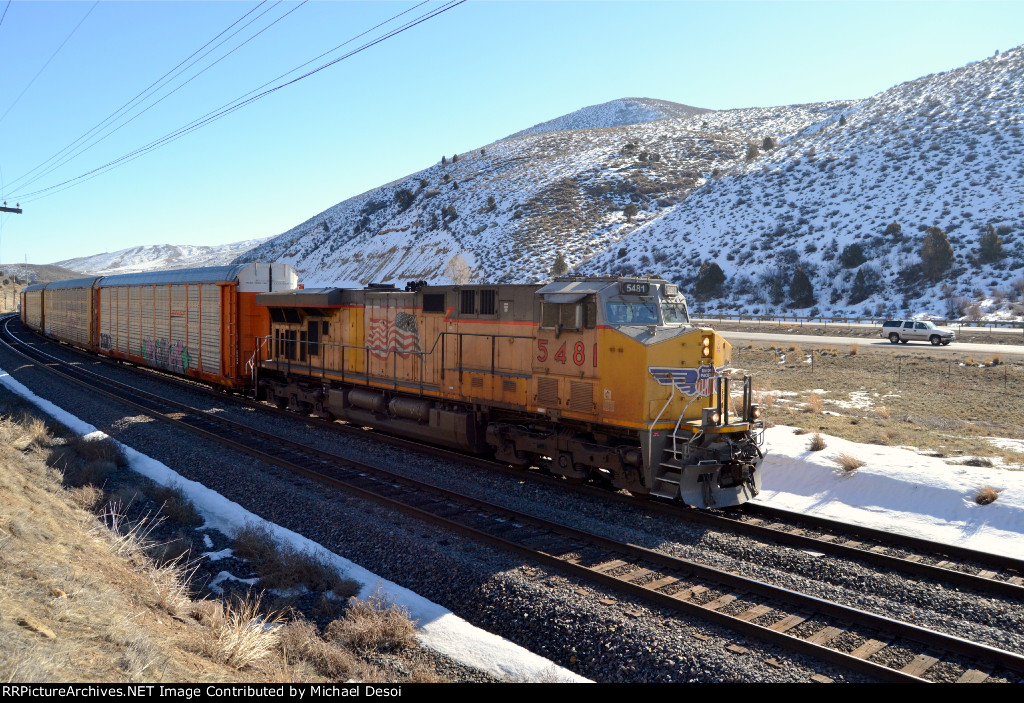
(781, 320)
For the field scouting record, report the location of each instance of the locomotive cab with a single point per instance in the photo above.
(694, 444)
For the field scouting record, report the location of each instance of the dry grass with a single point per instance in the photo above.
(933, 404)
(83, 602)
(173, 504)
(374, 624)
(239, 634)
(883, 412)
(816, 444)
(283, 568)
(986, 495)
(848, 462)
(814, 403)
(854, 349)
(300, 641)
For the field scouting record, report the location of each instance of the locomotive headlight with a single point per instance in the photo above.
(710, 417)
(705, 350)
(755, 412)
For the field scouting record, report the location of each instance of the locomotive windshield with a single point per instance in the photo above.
(632, 313)
(675, 313)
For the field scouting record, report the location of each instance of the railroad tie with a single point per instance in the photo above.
(972, 676)
(663, 581)
(720, 602)
(754, 613)
(608, 565)
(787, 623)
(920, 664)
(825, 635)
(869, 648)
(688, 593)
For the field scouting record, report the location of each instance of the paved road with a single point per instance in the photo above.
(961, 330)
(956, 349)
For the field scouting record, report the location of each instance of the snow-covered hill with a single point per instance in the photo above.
(760, 192)
(154, 257)
(615, 113)
(502, 213)
(944, 151)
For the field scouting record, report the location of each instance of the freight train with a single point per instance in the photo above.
(591, 378)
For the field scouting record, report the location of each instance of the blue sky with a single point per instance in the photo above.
(459, 81)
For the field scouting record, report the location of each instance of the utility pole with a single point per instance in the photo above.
(17, 211)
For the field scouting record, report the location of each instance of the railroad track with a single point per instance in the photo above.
(959, 566)
(857, 640)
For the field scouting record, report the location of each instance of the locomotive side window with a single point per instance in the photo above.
(569, 316)
(590, 313)
(487, 302)
(467, 304)
(565, 316)
(313, 337)
(432, 302)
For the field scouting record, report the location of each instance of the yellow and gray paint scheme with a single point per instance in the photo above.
(587, 377)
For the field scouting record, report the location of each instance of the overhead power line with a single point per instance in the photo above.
(244, 100)
(60, 157)
(49, 59)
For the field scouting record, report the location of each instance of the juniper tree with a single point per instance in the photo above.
(559, 267)
(990, 246)
(852, 256)
(709, 281)
(936, 253)
(801, 292)
(629, 211)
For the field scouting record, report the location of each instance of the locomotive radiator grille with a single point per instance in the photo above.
(581, 397)
(547, 391)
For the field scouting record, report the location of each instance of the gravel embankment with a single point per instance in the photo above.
(578, 625)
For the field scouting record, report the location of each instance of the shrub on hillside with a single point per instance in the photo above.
(801, 292)
(936, 253)
(630, 211)
(867, 282)
(852, 256)
(709, 281)
(990, 247)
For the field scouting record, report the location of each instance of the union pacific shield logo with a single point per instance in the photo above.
(699, 381)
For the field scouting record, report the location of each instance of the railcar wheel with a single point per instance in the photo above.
(894, 338)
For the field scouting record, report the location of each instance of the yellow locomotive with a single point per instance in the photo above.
(592, 378)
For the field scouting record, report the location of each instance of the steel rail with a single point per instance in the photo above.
(801, 601)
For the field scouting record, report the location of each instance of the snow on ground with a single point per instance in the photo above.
(439, 628)
(896, 490)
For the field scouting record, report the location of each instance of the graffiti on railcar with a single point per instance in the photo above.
(105, 341)
(173, 356)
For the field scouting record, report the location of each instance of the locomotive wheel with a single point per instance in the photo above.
(894, 338)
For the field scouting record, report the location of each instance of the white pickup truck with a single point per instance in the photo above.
(906, 330)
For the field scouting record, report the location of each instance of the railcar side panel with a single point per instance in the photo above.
(32, 307)
(209, 329)
(68, 315)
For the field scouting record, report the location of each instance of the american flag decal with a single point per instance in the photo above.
(699, 381)
(399, 336)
